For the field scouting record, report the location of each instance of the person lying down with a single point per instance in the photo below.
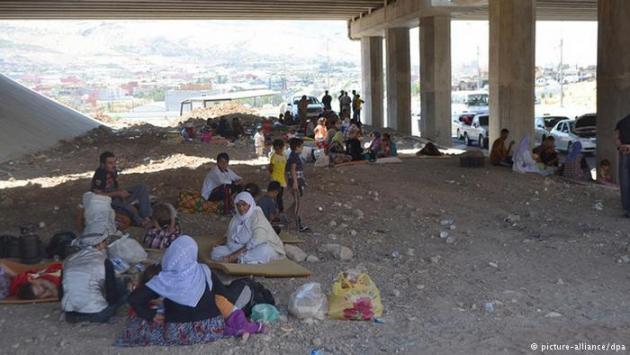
(32, 284)
(250, 239)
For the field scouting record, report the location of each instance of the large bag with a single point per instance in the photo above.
(308, 301)
(354, 297)
(127, 249)
(245, 293)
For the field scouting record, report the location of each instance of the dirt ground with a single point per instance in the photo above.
(537, 249)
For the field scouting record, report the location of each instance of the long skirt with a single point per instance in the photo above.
(139, 332)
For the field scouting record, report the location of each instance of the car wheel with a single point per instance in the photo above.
(459, 135)
(481, 142)
(466, 139)
(569, 147)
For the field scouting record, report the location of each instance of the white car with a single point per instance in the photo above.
(474, 129)
(582, 129)
(544, 125)
(315, 107)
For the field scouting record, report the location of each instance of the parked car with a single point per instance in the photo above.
(544, 124)
(475, 129)
(582, 129)
(315, 107)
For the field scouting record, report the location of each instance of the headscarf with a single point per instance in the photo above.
(576, 150)
(182, 279)
(330, 136)
(338, 137)
(90, 239)
(523, 161)
(241, 231)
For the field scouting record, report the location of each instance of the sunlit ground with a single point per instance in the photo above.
(172, 162)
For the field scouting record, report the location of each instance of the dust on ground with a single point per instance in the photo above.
(540, 250)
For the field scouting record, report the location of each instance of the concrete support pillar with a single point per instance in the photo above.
(435, 79)
(512, 67)
(372, 81)
(613, 75)
(398, 80)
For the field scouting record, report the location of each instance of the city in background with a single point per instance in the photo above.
(141, 71)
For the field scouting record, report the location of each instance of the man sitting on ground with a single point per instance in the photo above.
(105, 182)
(221, 183)
(546, 153)
(499, 154)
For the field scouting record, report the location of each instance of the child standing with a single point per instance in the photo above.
(259, 142)
(295, 174)
(277, 169)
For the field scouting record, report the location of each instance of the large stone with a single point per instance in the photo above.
(294, 253)
(339, 252)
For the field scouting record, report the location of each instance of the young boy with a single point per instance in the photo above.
(269, 206)
(277, 168)
(295, 174)
(166, 228)
(259, 142)
(604, 173)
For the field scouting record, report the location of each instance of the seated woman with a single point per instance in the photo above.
(523, 160)
(336, 149)
(31, 284)
(353, 144)
(376, 146)
(389, 147)
(575, 166)
(193, 308)
(251, 238)
(166, 227)
(90, 290)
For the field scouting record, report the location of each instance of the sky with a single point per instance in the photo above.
(304, 38)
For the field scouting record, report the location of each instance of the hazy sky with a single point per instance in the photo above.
(312, 38)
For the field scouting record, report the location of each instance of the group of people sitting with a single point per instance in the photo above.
(544, 159)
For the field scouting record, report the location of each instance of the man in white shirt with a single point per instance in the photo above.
(221, 183)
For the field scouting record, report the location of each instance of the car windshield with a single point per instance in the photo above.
(551, 122)
(483, 120)
(477, 100)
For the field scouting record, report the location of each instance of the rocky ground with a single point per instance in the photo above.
(468, 261)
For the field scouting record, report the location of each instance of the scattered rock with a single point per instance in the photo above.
(358, 213)
(598, 206)
(320, 209)
(453, 227)
(493, 264)
(332, 224)
(450, 240)
(42, 224)
(420, 287)
(339, 252)
(560, 282)
(446, 222)
(443, 234)
(312, 259)
(353, 233)
(488, 307)
(411, 252)
(624, 259)
(512, 218)
(317, 342)
(553, 315)
(435, 259)
(396, 254)
(294, 253)
(396, 293)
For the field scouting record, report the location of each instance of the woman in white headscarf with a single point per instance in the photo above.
(523, 160)
(250, 238)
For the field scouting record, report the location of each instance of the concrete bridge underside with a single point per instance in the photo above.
(512, 49)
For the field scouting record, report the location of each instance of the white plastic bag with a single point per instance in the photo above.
(127, 249)
(308, 301)
(99, 214)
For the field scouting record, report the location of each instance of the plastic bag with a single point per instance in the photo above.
(308, 301)
(354, 297)
(127, 249)
(265, 313)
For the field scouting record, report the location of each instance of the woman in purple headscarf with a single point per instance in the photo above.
(575, 166)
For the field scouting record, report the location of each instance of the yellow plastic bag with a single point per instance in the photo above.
(354, 298)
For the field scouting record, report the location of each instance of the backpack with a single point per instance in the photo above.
(245, 293)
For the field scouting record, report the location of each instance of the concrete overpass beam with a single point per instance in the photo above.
(372, 80)
(435, 79)
(398, 80)
(613, 75)
(512, 66)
